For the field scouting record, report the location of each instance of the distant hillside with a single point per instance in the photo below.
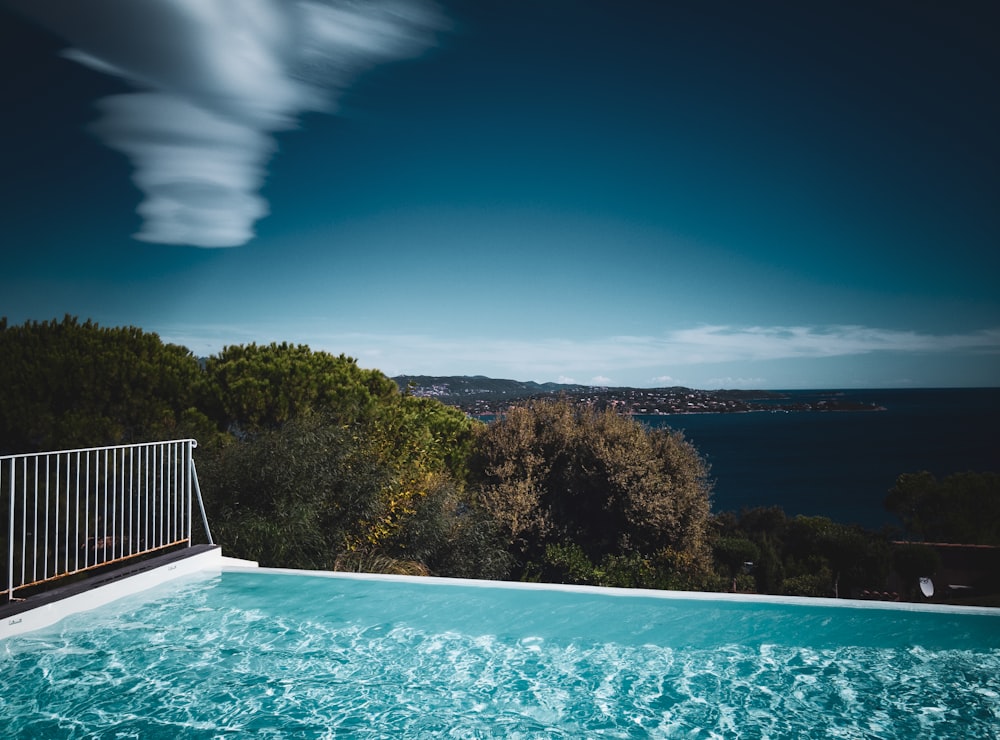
(479, 395)
(455, 388)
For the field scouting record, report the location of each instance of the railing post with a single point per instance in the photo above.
(10, 535)
(187, 488)
(201, 504)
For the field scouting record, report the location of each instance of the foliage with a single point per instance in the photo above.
(666, 569)
(438, 433)
(805, 556)
(361, 561)
(295, 496)
(735, 554)
(962, 508)
(414, 440)
(307, 460)
(768, 568)
(913, 561)
(451, 535)
(313, 493)
(596, 484)
(258, 387)
(68, 384)
(324, 460)
(815, 583)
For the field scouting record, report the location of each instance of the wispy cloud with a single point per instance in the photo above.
(728, 344)
(218, 77)
(608, 357)
(731, 382)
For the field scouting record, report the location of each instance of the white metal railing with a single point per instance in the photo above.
(74, 510)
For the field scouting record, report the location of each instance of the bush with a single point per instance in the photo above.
(551, 474)
(962, 508)
(297, 496)
(819, 583)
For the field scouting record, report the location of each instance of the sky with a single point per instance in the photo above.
(645, 193)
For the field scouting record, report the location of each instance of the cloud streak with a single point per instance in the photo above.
(217, 78)
(729, 344)
(604, 358)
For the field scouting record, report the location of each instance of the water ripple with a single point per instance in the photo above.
(222, 667)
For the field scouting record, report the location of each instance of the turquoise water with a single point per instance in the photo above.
(306, 656)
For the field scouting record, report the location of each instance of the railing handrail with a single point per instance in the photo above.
(74, 510)
(194, 444)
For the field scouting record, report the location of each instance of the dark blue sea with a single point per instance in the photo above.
(841, 464)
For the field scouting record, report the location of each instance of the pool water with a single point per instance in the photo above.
(310, 656)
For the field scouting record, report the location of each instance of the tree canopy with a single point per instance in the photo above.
(798, 556)
(338, 452)
(304, 456)
(69, 384)
(553, 475)
(961, 508)
(258, 387)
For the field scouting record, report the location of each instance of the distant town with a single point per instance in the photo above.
(481, 396)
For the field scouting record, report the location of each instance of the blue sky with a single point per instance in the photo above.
(710, 194)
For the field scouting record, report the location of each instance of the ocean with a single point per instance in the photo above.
(842, 464)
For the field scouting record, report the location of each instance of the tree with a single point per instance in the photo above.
(68, 384)
(451, 535)
(259, 387)
(818, 550)
(853, 556)
(735, 553)
(313, 493)
(768, 570)
(296, 496)
(551, 473)
(962, 508)
(804, 555)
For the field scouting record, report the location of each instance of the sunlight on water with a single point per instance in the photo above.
(298, 656)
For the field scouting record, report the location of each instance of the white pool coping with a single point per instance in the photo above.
(208, 563)
(805, 601)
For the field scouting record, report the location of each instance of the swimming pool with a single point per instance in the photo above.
(290, 654)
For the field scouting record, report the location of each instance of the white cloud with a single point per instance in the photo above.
(664, 380)
(545, 359)
(218, 77)
(565, 380)
(728, 344)
(731, 382)
(200, 172)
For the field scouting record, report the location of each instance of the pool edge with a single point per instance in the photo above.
(31, 615)
(805, 601)
(48, 609)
